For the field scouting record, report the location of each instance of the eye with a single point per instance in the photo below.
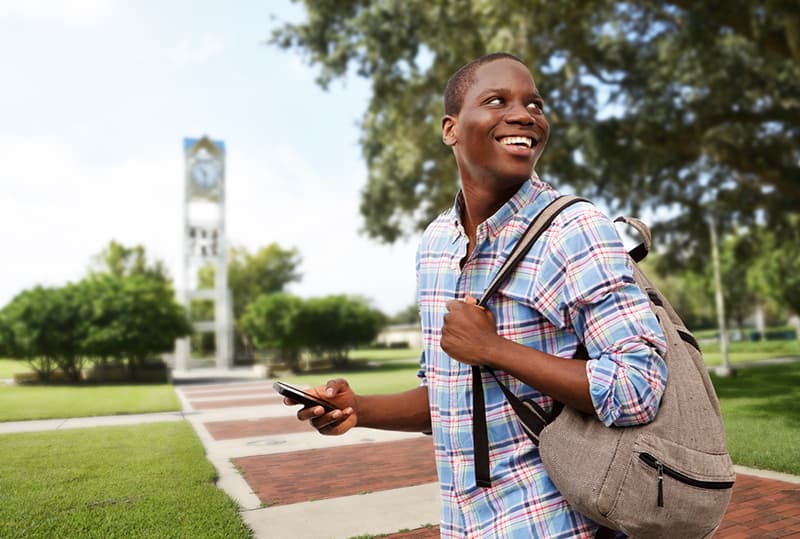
(495, 101)
(536, 106)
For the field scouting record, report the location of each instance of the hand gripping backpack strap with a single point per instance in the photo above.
(534, 414)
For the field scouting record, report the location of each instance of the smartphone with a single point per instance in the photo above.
(300, 396)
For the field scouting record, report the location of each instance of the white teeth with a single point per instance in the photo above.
(517, 140)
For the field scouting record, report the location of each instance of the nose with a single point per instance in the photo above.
(520, 113)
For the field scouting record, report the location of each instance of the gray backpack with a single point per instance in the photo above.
(671, 477)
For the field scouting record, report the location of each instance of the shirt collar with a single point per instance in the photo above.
(508, 211)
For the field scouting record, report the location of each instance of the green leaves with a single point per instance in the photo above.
(328, 326)
(651, 103)
(128, 312)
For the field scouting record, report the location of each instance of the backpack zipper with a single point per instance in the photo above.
(662, 469)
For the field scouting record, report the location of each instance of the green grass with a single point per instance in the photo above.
(744, 351)
(385, 354)
(390, 376)
(60, 401)
(761, 409)
(141, 481)
(10, 367)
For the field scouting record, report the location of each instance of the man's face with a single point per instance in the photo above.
(501, 131)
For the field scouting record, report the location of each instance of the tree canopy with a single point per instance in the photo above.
(121, 261)
(328, 326)
(250, 275)
(693, 106)
(124, 308)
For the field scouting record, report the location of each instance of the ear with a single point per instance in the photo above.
(449, 130)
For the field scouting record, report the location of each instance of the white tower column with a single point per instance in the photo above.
(205, 244)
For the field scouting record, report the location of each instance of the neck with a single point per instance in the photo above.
(481, 202)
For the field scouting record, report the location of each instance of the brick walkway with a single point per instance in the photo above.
(277, 476)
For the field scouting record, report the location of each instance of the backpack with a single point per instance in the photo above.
(671, 476)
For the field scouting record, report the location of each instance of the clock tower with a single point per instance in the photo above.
(205, 244)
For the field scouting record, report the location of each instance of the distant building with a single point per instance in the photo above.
(396, 335)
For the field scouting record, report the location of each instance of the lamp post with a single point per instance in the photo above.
(725, 368)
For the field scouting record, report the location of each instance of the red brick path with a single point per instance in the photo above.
(315, 474)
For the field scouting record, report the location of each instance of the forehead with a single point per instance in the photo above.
(503, 74)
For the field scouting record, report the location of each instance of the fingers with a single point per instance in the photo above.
(334, 423)
(455, 304)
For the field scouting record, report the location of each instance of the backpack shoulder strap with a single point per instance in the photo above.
(538, 225)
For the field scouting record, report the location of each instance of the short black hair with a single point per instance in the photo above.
(462, 79)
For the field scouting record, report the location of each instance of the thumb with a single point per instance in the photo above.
(333, 387)
(469, 300)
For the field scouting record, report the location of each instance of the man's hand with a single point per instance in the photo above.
(338, 393)
(469, 332)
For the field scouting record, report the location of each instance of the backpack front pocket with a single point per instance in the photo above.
(684, 489)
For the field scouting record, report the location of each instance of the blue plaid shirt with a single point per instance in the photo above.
(576, 284)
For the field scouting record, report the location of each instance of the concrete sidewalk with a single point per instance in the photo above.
(291, 482)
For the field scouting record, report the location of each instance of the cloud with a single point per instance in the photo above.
(275, 196)
(67, 11)
(192, 51)
(57, 212)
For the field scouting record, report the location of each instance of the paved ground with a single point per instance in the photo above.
(292, 482)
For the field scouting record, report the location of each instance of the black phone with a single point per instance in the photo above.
(300, 396)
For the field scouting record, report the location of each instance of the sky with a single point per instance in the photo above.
(95, 101)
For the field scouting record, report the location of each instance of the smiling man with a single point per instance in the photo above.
(574, 287)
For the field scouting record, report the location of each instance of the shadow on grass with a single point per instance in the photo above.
(763, 391)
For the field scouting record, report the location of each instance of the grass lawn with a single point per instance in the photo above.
(60, 401)
(385, 354)
(761, 409)
(388, 376)
(742, 351)
(10, 367)
(141, 481)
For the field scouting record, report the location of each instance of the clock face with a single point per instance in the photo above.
(205, 174)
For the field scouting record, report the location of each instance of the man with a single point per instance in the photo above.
(575, 286)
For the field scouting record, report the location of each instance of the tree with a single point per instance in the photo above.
(330, 326)
(651, 103)
(774, 272)
(121, 261)
(689, 292)
(251, 275)
(271, 322)
(133, 317)
(44, 327)
(409, 315)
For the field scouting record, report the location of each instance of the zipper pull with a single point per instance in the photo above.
(660, 468)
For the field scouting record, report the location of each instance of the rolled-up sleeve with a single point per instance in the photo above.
(612, 317)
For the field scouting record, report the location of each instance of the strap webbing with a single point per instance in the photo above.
(480, 437)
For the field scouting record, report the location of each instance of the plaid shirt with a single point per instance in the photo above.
(576, 284)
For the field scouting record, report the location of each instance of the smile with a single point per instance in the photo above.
(517, 141)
